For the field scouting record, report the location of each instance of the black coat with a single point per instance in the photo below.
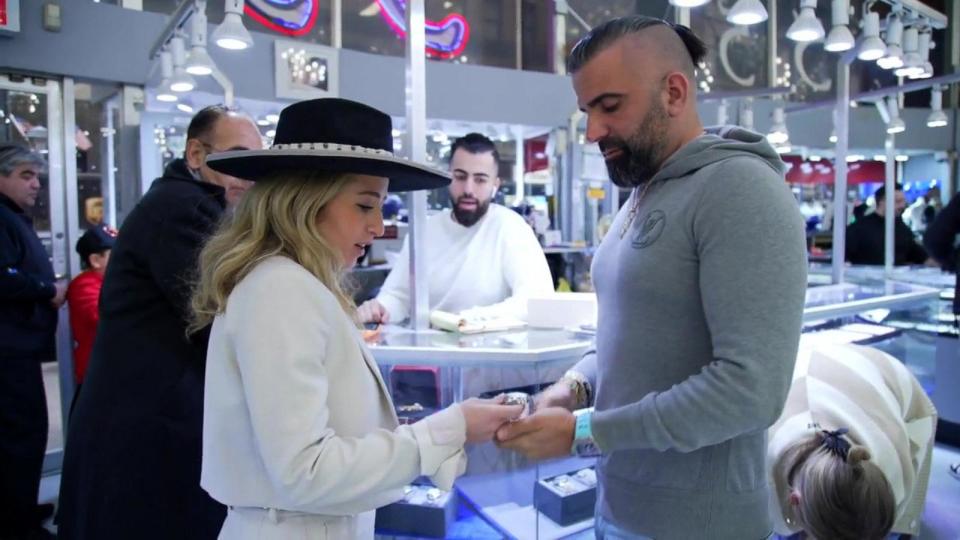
(131, 465)
(865, 242)
(28, 320)
(941, 241)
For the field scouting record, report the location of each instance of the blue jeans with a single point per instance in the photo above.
(605, 530)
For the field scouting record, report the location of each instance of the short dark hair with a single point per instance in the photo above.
(607, 33)
(476, 143)
(202, 123)
(13, 155)
(881, 194)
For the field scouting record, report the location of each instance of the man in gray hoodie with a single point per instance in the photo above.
(700, 284)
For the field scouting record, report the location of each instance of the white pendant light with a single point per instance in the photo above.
(840, 38)
(937, 117)
(199, 62)
(181, 81)
(806, 27)
(231, 34)
(778, 134)
(896, 124)
(872, 47)
(164, 93)
(747, 12)
(893, 59)
(688, 3)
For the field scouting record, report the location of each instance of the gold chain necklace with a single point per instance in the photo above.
(634, 208)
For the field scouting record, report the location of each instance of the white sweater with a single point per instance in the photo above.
(493, 266)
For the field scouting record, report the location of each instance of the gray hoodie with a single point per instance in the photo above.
(700, 307)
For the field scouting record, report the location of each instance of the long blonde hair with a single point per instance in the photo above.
(277, 216)
(840, 499)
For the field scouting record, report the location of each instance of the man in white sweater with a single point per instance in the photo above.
(482, 259)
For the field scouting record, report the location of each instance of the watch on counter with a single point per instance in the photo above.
(583, 443)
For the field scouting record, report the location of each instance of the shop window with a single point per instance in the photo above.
(537, 35)
(464, 31)
(317, 29)
(595, 13)
(736, 56)
(23, 120)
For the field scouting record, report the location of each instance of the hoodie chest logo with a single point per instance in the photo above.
(650, 230)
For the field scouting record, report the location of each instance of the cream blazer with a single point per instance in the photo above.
(297, 418)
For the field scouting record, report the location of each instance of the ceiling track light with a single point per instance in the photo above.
(688, 3)
(181, 80)
(199, 62)
(840, 38)
(912, 61)
(925, 43)
(231, 34)
(746, 113)
(872, 47)
(747, 12)
(893, 58)
(937, 117)
(896, 124)
(185, 106)
(806, 27)
(164, 93)
(778, 135)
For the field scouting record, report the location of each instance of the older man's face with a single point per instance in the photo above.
(22, 185)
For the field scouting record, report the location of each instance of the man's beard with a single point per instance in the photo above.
(469, 218)
(642, 153)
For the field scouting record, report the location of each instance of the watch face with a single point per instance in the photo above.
(587, 477)
(564, 485)
(424, 495)
(586, 449)
(520, 398)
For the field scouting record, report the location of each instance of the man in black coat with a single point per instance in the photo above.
(29, 298)
(865, 237)
(132, 459)
(940, 241)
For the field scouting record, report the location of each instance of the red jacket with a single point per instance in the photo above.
(83, 296)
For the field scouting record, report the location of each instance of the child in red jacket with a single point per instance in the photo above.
(83, 294)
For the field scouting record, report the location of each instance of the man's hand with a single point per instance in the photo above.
(61, 296)
(373, 311)
(548, 433)
(558, 394)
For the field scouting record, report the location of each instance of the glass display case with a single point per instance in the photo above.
(927, 340)
(518, 498)
(430, 369)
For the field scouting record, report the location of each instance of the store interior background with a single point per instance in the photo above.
(87, 92)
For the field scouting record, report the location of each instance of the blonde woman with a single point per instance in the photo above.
(300, 439)
(850, 455)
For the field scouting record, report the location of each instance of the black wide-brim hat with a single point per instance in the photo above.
(335, 135)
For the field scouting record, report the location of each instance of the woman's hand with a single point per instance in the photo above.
(485, 416)
(372, 311)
